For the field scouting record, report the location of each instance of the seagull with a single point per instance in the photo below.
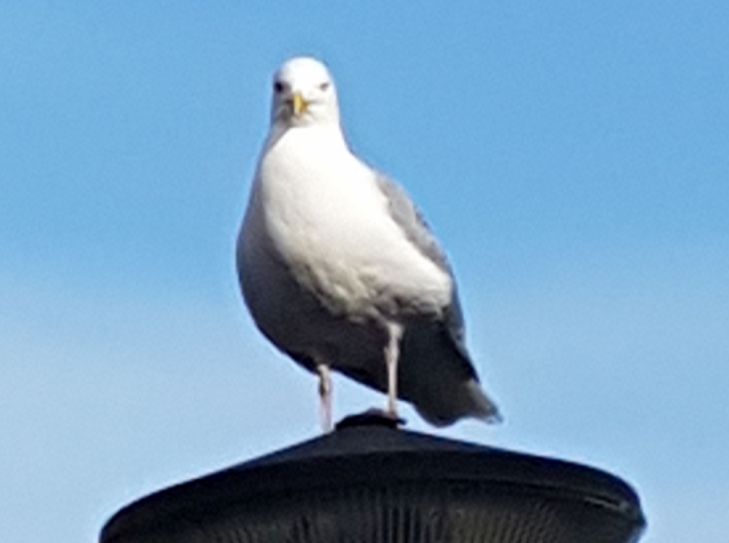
(340, 271)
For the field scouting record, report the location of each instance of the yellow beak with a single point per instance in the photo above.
(300, 104)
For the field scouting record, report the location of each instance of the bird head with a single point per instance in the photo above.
(304, 94)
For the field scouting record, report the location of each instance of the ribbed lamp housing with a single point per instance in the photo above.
(371, 482)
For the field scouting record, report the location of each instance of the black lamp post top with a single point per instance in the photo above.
(372, 478)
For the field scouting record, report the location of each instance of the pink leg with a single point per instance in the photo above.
(325, 396)
(392, 353)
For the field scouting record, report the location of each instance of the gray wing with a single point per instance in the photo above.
(434, 353)
(411, 222)
(416, 229)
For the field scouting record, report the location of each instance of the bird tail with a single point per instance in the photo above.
(469, 400)
(482, 407)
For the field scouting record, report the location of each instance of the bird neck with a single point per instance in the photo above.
(325, 134)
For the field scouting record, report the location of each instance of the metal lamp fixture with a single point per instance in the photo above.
(371, 482)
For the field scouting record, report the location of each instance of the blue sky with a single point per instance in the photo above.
(572, 158)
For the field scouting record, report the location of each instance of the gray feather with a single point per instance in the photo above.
(412, 223)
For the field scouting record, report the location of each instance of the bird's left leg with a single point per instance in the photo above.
(325, 396)
(392, 354)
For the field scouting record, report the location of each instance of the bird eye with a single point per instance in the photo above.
(324, 86)
(278, 87)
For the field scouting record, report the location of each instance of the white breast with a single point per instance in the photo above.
(328, 220)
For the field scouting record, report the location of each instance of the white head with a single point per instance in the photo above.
(304, 94)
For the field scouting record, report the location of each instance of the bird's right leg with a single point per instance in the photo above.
(325, 396)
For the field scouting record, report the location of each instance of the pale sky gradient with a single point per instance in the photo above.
(573, 160)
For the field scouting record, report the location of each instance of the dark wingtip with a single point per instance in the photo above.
(493, 418)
